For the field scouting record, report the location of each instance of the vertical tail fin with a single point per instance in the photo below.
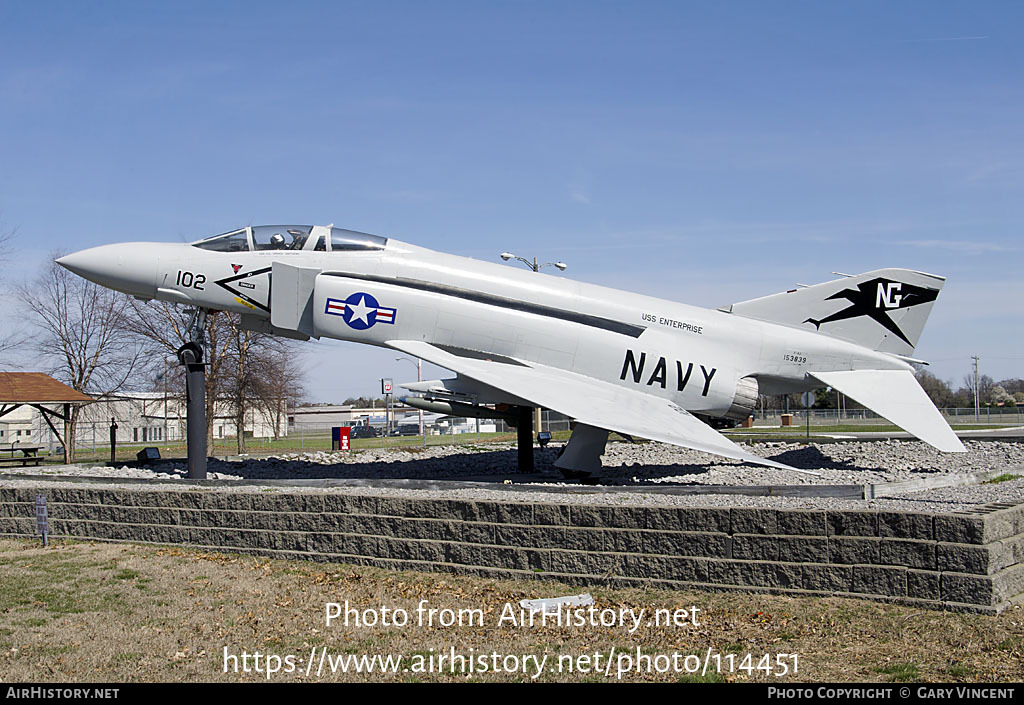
(884, 310)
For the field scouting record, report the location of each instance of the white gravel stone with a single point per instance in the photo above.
(625, 464)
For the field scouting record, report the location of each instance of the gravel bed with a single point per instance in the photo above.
(625, 464)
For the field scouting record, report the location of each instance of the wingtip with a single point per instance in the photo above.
(959, 447)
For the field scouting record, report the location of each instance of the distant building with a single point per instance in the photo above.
(141, 418)
(320, 417)
(376, 417)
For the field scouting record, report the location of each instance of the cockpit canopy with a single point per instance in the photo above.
(292, 237)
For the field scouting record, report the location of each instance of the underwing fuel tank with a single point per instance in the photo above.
(454, 408)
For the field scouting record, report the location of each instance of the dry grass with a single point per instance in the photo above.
(123, 612)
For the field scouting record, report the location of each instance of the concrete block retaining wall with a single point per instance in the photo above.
(970, 561)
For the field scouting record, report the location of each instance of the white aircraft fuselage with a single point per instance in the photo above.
(487, 321)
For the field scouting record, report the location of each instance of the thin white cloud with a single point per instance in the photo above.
(984, 172)
(580, 195)
(405, 195)
(949, 39)
(964, 246)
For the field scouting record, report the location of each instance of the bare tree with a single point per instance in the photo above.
(245, 368)
(80, 336)
(364, 402)
(985, 385)
(9, 340)
(936, 389)
(278, 385)
(1013, 386)
(162, 328)
(240, 384)
(263, 377)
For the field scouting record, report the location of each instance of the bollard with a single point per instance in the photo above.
(42, 520)
(113, 441)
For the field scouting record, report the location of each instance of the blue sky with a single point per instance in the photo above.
(702, 152)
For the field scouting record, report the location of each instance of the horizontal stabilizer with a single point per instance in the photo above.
(896, 396)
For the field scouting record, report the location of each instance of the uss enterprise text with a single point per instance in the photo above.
(672, 323)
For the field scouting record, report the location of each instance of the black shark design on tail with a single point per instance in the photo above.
(874, 299)
(887, 308)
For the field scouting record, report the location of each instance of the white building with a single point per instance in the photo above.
(141, 418)
(320, 415)
(328, 415)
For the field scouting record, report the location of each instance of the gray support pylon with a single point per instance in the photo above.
(191, 356)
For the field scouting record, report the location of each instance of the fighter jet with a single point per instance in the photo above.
(612, 360)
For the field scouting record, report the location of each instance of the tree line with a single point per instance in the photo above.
(1008, 392)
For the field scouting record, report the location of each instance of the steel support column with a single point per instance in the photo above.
(524, 437)
(191, 356)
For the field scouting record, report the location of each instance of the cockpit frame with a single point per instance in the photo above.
(317, 238)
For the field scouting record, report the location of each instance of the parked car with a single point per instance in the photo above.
(364, 431)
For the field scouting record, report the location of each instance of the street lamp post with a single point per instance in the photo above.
(533, 265)
(165, 403)
(560, 266)
(419, 378)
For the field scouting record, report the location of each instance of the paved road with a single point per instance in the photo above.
(1015, 433)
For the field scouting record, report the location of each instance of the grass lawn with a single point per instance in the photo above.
(126, 612)
(321, 441)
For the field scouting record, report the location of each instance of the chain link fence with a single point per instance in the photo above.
(447, 431)
(986, 416)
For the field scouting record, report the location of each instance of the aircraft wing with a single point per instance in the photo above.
(586, 399)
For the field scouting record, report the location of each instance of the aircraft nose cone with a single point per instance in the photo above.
(121, 267)
(81, 263)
